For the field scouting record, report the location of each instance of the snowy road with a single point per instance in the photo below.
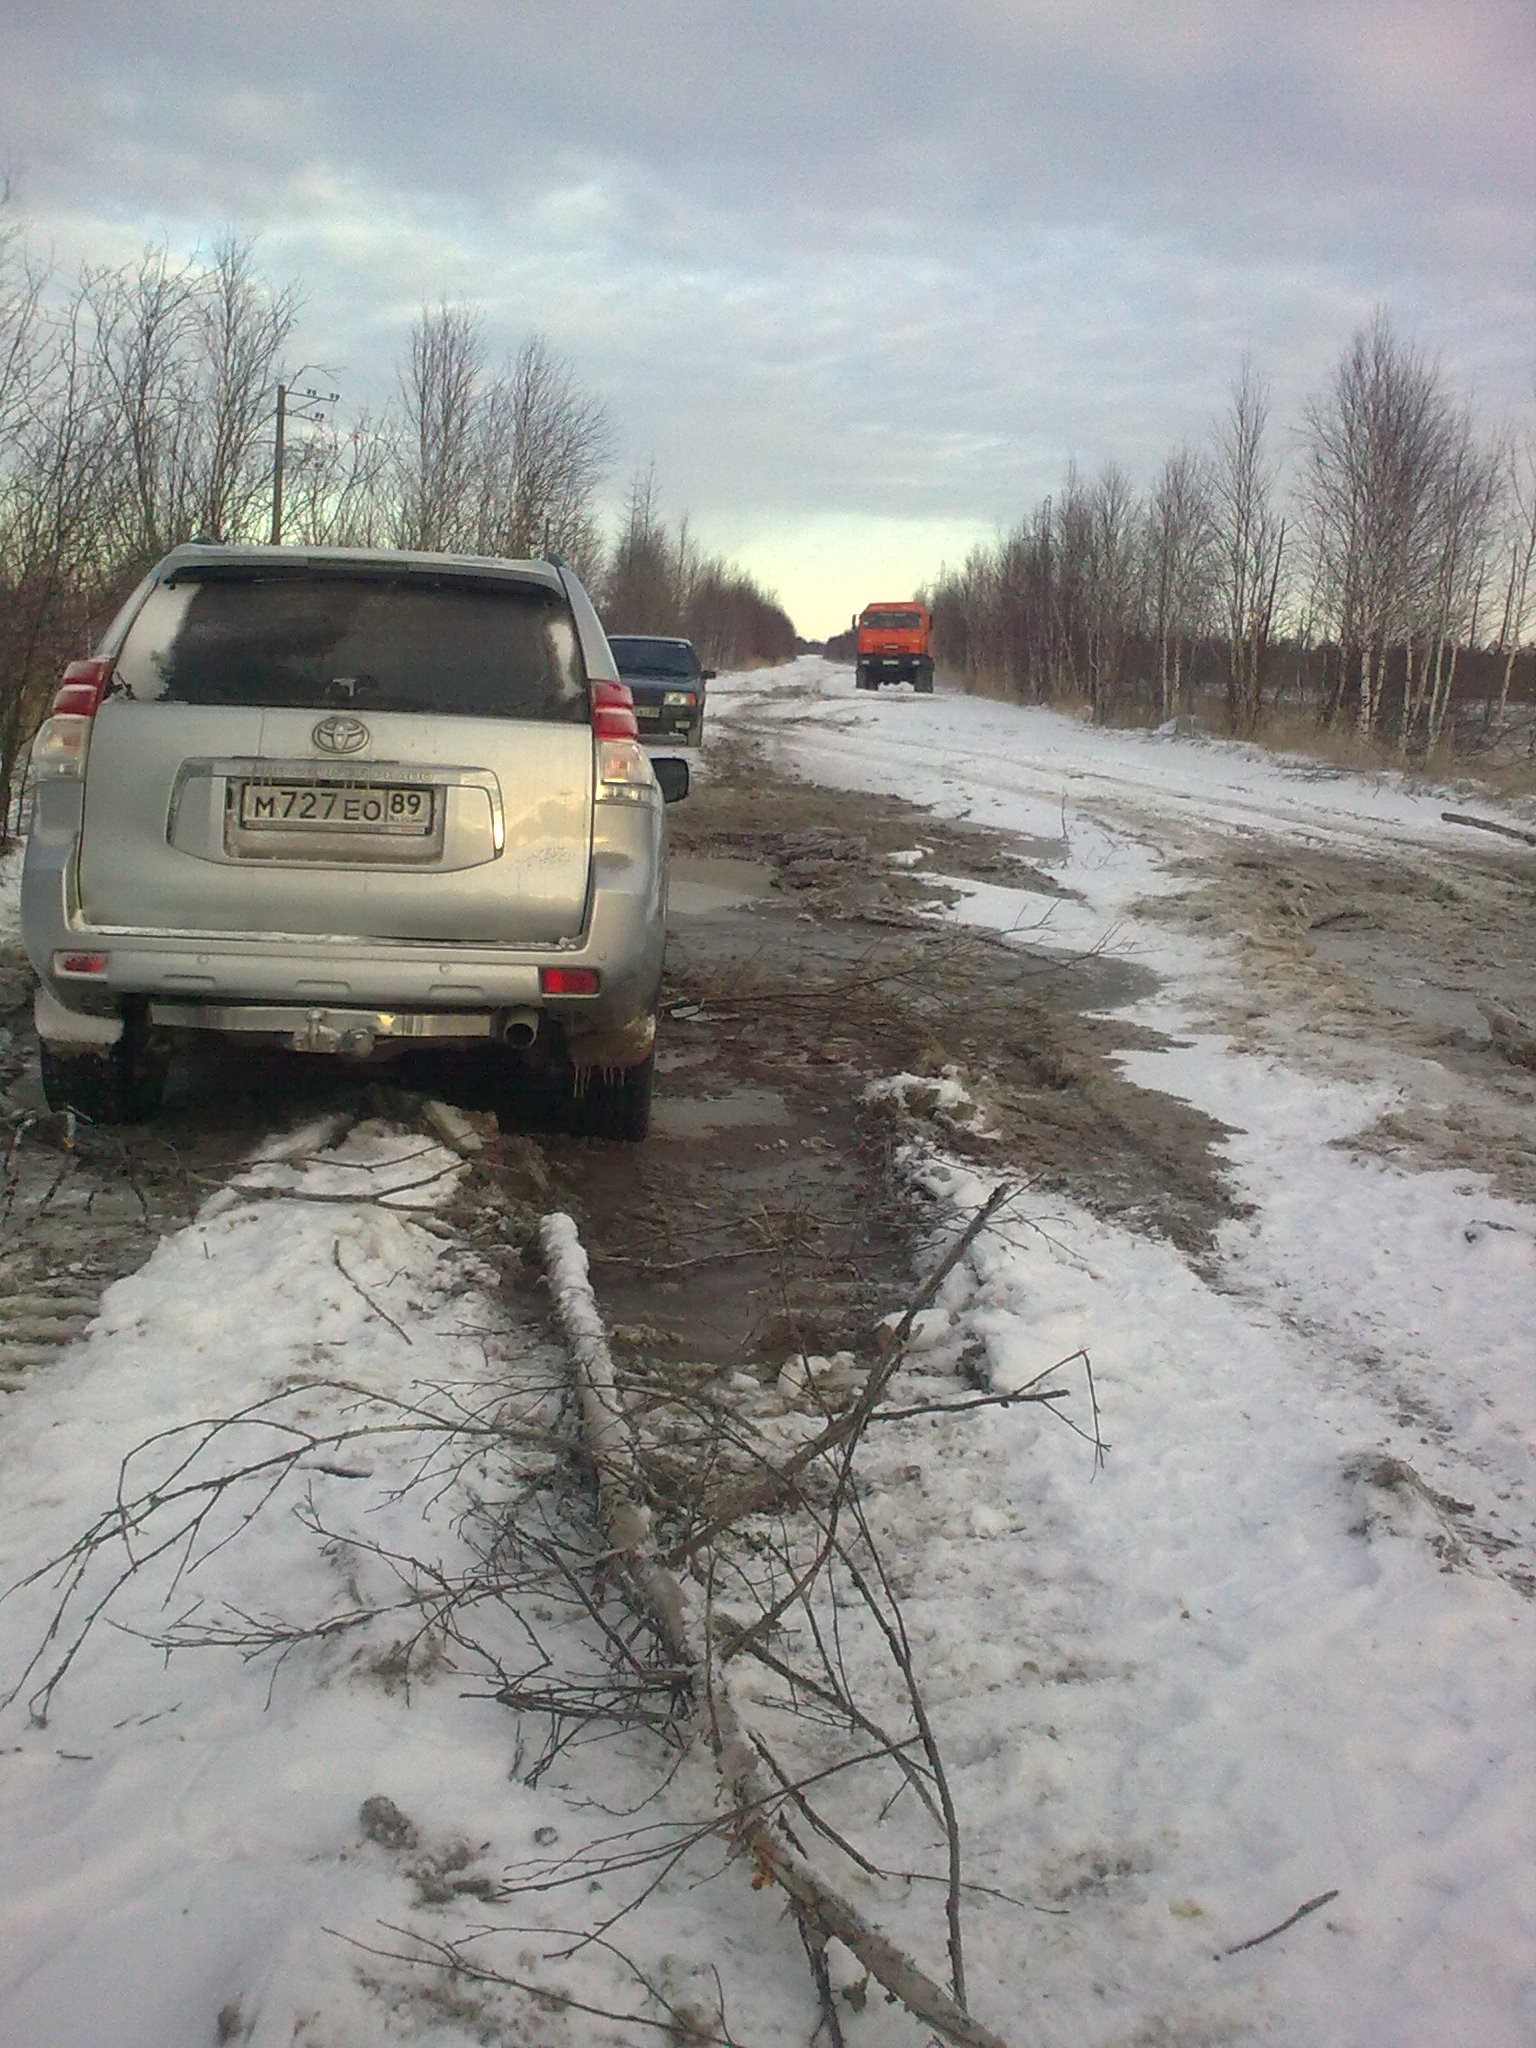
(1279, 1650)
(1284, 1644)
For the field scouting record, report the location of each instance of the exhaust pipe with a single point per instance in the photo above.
(520, 1027)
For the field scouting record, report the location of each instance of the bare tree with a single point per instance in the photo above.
(659, 580)
(1249, 545)
(545, 445)
(56, 549)
(438, 464)
(129, 417)
(145, 321)
(1112, 613)
(336, 491)
(1465, 500)
(1398, 499)
(1180, 549)
(1519, 548)
(22, 329)
(640, 592)
(240, 330)
(503, 464)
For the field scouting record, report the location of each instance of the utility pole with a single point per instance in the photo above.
(285, 400)
(278, 443)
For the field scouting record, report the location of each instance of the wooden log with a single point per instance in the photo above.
(1488, 825)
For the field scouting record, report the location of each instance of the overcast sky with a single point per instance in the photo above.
(861, 276)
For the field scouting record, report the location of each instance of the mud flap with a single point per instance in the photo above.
(73, 1031)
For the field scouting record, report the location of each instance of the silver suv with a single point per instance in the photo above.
(353, 803)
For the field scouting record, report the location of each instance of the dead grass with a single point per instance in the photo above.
(1497, 767)
(1504, 768)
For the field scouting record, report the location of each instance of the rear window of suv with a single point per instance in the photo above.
(376, 643)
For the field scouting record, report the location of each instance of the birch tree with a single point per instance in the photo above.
(1518, 542)
(1397, 499)
(1249, 545)
(57, 558)
(545, 445)
(240, 330)
(1180, 550)
(439, 458)
(1113, 588)
(640, 591)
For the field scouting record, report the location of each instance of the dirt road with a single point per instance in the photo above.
(762, 1217)
(1422, 967)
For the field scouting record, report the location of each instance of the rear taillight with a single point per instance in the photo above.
(623, 766)
(80, 693)
(64, 738)
(613, 711)
(624, 773)
(569, 981)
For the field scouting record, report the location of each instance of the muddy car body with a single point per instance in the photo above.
(349, 802)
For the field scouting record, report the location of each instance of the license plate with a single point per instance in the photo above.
(372, 807)
(646, 714)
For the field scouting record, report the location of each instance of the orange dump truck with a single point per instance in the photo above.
(891, 645)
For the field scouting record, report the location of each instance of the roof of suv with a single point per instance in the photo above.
(492, 568)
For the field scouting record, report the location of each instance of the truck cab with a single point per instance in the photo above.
(892, 645)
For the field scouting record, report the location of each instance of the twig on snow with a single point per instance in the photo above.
(1269, 1934)
(358, 1287)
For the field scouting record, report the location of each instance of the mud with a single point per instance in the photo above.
(764, 1215)
(1389, 967)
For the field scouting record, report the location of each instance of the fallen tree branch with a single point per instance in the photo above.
(1488, 825)
(762, 1492)
(819, 1907)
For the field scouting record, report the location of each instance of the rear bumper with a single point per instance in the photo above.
(666, 722)
(281, 982)
(896, 668)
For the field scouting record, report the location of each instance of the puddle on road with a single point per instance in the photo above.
(700, 1116)
(702, 886)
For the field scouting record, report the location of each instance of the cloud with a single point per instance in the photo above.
(831, 260)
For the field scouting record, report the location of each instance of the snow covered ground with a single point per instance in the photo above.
(1283, 1644)
(1278, 1651)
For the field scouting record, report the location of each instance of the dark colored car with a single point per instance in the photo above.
(666, 683)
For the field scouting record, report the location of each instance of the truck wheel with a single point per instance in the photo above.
(924, 684)
(616, 1103)
(122, 1084)
(861, 679)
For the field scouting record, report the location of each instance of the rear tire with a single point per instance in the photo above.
(615, 1103)
(122, 1084)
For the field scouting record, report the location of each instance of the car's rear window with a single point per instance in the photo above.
(386, 643)
(654, 657)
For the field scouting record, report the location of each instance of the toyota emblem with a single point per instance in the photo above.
(340, 735)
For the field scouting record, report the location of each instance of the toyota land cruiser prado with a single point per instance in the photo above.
(349, 802)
